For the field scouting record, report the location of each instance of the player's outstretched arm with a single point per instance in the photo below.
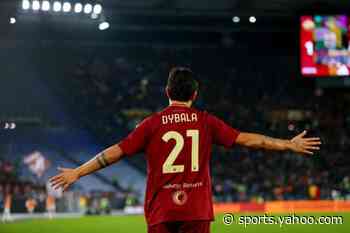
(68, 176)
(298, 144)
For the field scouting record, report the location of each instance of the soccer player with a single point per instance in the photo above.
(7, 208)
(31, 205)
(50, 206)
(178, 142)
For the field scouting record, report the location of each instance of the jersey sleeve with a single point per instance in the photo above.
(137, 139)
(222, 133)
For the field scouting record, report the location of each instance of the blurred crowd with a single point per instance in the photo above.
(111, 91)
(20, 195)
(20, 191)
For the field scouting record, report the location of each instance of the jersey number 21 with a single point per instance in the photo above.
(168, 166)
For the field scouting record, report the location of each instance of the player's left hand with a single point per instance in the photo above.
(300, 144)
(63, 180)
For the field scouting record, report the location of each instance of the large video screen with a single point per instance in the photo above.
(325, 45)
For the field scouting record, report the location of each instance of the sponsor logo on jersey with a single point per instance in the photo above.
(180, 197)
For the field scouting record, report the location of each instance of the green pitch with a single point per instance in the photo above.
(136, 224)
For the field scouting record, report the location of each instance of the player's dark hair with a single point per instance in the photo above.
(181, 84)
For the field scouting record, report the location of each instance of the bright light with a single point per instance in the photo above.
(12, 20)
(67, 7)
(78, 8)
(36, 5)
(57, 6)
(103, 26)
(9, 125)
(97, 9)
(87, 8)
(252, 19)
(45, 6)
(236, 19)
(94, 16)
(12, 125)
(25, 4)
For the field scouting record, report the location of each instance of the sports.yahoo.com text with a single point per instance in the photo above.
(246, 220)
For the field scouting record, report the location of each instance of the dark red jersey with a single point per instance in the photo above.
(178, 142)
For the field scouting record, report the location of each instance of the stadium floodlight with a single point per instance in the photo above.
(87, 8)
(57, 6)
(103, 26)
(97, 9)
(94, 16)
(25, 4)
(12, 20)
(78, 7)
(66, 7)
(36, 5)
(236, 19)
(12, 125)
(45, 6)
(252, 19)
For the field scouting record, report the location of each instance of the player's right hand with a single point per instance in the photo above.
(64, 179)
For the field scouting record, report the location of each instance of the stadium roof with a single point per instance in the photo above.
(279, 7)
(286, 7)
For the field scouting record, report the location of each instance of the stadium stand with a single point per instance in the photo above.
(101, 91)
(115, 82)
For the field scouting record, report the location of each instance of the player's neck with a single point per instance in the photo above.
(180, 103)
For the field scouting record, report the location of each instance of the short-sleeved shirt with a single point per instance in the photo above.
(178, 142)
